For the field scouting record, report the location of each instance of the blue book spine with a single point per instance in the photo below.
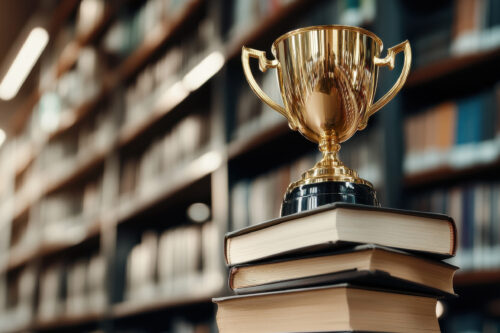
(470, 121)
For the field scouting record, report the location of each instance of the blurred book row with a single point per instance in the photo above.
(468, 26)
(166, 81)
(177, 263)
(134, 26)
(164, 157)
(475, 208)
(67, 215)
(455, 134)
(74, 288)
(61, 218)
(64, 289)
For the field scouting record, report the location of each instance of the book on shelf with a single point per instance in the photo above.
(73, 289)
(454, 133)
(340, 307)
(475, 209)
(338, 224)
(452, 29)
(162, 157)
(367, 265)
(178, 262)
(51, 304)
(18, 293)
(476, 25)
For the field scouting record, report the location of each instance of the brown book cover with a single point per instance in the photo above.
(446, 129)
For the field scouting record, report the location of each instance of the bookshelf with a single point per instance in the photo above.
(124, 179)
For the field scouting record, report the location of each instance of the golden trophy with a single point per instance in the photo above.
(327, 77)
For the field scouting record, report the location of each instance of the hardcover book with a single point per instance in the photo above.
(341, 224)
(327, 309)
(367, 265)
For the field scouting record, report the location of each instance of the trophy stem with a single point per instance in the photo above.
(328, 181)
(330, 149)
(330, 168)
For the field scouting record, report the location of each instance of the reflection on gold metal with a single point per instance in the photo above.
(328, 76)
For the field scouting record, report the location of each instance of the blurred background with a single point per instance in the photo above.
(131, 142)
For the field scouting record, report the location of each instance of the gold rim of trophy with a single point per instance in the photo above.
(328, 26)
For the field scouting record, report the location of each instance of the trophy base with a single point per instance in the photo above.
(310, 196)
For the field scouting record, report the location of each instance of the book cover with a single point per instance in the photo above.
(338, 244)
(359, 277)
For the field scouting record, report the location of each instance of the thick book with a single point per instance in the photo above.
(338, 224)
(327, 309)
(367, 265)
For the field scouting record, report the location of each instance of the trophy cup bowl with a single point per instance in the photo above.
(327, 77)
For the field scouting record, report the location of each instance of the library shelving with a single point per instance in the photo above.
(113, 206)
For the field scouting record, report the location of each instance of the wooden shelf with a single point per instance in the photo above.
(134, 308)
(81, 168)
(477, 277)
(241, 146)
(66, 321)
(447, 174)
(79, 113)
(44, 250)
(33, 152)
(442, 68)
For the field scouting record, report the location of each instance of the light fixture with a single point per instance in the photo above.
(25, 59)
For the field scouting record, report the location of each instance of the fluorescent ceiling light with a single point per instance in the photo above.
(23, 63)
(207, 68)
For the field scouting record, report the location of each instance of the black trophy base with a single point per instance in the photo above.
(311, 196)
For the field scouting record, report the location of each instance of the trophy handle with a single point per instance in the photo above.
(264, 64)
(389, 62)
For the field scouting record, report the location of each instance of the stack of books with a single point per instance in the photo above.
(342, 267)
